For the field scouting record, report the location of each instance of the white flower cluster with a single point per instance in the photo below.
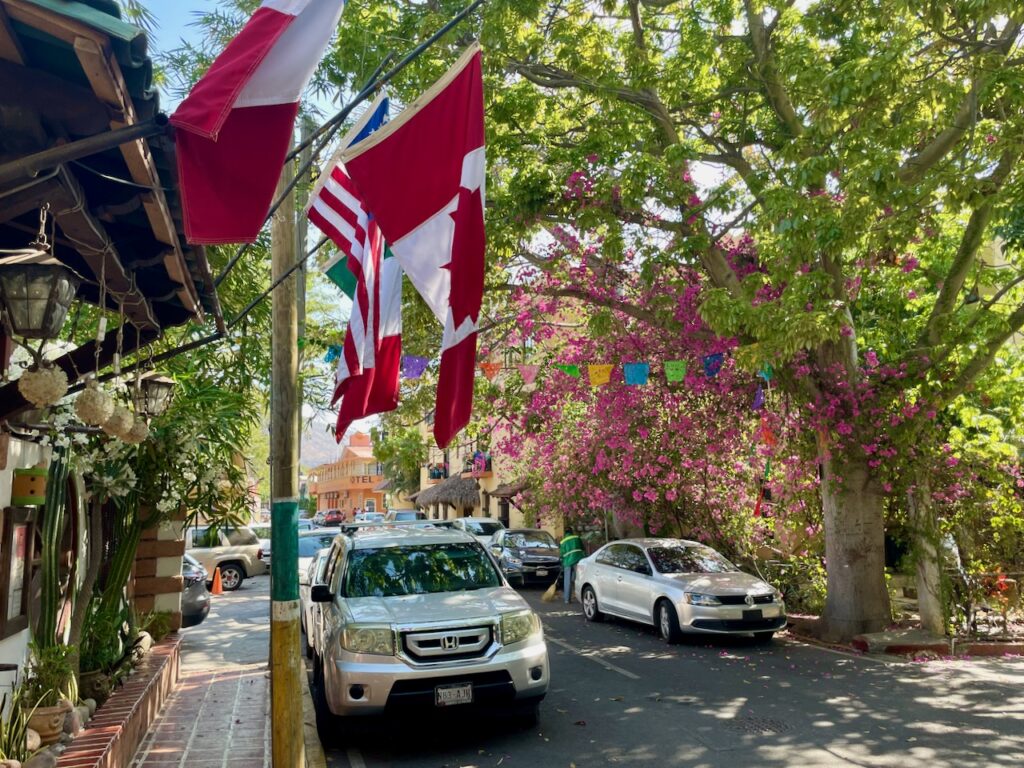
(43, 385)
(94, 406)
(120, 422)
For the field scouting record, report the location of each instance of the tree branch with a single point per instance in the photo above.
(971, 240)
(768, 73)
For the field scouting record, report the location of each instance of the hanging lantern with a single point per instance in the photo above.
(36, 290)
(153, 394)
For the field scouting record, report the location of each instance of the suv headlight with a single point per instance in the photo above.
(516, 627)
(694, 598)
(364, 638)
(513, 561)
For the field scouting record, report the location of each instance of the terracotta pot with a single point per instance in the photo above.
(28, 487)
(95, 685)
(48, 722)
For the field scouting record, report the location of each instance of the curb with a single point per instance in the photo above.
(315, 757)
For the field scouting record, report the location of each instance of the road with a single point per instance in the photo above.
(620, 697)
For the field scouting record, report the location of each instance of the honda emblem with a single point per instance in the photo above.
(449, 643)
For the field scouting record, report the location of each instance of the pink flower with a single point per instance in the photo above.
(910, 264)
(990, 138)
(846, 331)
(843, 428)
(871, 358)
(911, 294)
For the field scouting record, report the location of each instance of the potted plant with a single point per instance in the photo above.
(48, 691)
(101, 650)
(14, 729)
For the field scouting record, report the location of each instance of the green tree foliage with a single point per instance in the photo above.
(401, 452)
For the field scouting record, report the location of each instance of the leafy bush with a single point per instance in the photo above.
(50, 677)
(102, 638)
(802, 581)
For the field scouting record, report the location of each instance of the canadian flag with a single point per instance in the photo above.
(235, 127)
(422, 175)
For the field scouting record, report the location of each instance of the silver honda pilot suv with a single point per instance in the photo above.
(420, 618)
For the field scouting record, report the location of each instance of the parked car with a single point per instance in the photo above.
(333, 517)
(318, 519)
(311, 542)
(306, 524)
(421, 619)
(195, 597)
(314, 574)
(527, 555)
(235, 551)
(369, 517)
(480, 528)
(263, 533)
(678, 586)
(405, 516)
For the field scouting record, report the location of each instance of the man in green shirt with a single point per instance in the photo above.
(571, 550)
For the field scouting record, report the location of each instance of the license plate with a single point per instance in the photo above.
(542, 572)
(752, 615)
(456, 693)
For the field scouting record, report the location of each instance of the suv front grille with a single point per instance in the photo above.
(448, 644)
(742, 599)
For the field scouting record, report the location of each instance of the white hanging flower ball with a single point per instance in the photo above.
(43, 386)
(120, 422)
(138, 433)
(94, 406)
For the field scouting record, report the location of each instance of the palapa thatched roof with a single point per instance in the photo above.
(508, 490)
(458, 491)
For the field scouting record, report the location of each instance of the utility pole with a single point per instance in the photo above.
(286, 668)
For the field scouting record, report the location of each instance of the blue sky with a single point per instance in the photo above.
(173, 17)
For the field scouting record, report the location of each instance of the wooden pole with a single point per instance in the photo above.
(286, 668)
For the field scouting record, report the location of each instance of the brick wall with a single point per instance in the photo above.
(157, 579)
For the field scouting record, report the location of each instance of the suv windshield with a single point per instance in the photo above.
(310, 545)
(689, 560)
(401, 517)
(418, 570)
(521, 540)
(482, 527)
(240, 537)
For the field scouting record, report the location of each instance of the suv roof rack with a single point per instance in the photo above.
(349, 528)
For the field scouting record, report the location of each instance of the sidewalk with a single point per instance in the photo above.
(214, 719)
(218, 715)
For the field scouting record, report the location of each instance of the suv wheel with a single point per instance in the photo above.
(231, 576)
(328, 725)
(590, 610)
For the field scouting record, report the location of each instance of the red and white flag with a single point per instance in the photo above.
(367, 377)
(235, 127)
(422, 175)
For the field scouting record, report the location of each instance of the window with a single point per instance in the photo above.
(613, 555)
(530, 539)
(16, 563)
(418, 570)
(689, 559)
(371, 505)
(310, 545)
(633, 559)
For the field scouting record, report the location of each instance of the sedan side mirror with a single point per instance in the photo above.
(303, 580)
(321, 593)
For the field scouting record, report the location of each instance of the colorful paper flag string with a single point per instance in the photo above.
(529, 373)
(490, 370)
(636, 373)
(333, 353)
(675, 370)
(766, 373)
(599, 374)
(413, 366)
(713, 364)
(758, 399)
(570, 370)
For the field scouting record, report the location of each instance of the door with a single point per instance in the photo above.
(634, 584)
(608, 575)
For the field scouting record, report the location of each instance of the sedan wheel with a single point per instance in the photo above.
(590, 610)
(668, 622)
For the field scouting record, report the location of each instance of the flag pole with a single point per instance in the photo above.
(332, 125)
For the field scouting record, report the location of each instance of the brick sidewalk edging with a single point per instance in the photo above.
(111, 738)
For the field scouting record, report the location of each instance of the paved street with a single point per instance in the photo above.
(620, 697)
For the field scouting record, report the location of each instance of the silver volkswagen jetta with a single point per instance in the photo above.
(678, 586)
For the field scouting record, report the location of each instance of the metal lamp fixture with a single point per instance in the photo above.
(153, 394)
(36, 291)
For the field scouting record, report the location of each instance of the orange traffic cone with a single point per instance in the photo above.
(217, 588)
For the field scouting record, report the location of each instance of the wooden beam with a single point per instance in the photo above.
(79, 362)
(104, 75)
(53, 97)
(10, 46)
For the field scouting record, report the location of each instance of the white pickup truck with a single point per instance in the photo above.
(420, 618)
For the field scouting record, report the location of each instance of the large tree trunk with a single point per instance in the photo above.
(857, 598)
(926, 559)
